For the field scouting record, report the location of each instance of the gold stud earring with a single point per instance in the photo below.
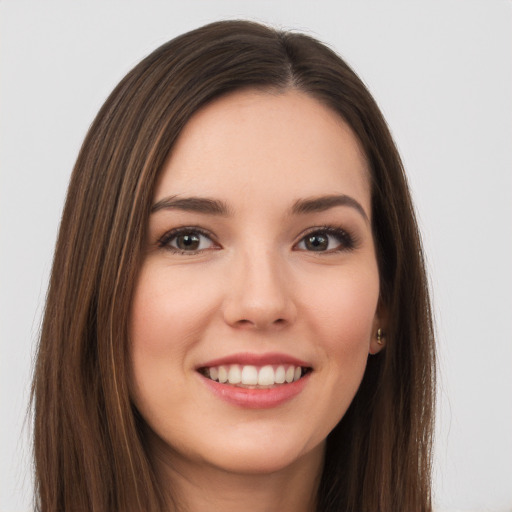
(380, 335)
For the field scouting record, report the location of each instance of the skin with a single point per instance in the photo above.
(254, 286)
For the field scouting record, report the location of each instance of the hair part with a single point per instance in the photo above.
(89, 442)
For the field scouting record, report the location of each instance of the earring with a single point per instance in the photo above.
(380, 335)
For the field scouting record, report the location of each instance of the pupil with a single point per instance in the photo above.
(317, 243)
(190, 242)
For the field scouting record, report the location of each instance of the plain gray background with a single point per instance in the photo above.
(442, 74)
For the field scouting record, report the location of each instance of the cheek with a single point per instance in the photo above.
(340, 316)
(167, 311)
(344, 319)
(167, 317)
(346, 312)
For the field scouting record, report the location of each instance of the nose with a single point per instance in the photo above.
(259, 293)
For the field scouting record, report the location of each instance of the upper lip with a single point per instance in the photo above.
(246, 358)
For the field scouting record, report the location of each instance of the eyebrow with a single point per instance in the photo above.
(322, 203)
(192, 204)
(215, 207)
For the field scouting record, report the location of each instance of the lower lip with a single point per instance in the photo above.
(257, 398)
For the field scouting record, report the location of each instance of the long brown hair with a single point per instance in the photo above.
(89, 443)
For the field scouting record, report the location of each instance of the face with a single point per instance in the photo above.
(256, 303)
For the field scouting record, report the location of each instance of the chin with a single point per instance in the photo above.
(263, 456)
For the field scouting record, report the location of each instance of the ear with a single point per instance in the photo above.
(379, 330)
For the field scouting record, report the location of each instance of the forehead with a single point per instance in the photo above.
(261, 145)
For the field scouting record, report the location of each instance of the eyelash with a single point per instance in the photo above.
(165, 240)
(347, 242)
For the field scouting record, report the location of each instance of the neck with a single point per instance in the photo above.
(199, 487)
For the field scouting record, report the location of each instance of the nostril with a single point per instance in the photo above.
(244, 323)
(255, 323)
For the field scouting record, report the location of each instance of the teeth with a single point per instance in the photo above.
(266, 376)
(234, 374)
(214, 373)
(223, 374)
(249, 375)
(280, 375)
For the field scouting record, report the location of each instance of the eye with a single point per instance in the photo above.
(328, 239)
(187, 240)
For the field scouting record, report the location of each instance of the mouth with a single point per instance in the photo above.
(255, 377)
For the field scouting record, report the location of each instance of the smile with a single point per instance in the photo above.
(255, 377)
(256, 381)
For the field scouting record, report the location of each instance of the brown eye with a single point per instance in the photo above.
(316, 242)
(187, 241)
(329, 239)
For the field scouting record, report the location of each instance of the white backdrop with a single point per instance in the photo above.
(442, 74)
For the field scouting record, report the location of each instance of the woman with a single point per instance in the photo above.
(238, 315)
